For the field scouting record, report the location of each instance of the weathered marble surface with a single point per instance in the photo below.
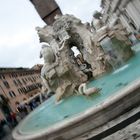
(61, 72)
(60, 75)
(113, 39)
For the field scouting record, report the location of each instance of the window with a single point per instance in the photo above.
(19, 91)
(20, 74)
(33, 79)
(19, 82)
(6, 84)
(24, 89)
(2, 76)
(12, 94)
(29, 78)
(10, 75)
(14, 81)
(26, 79)
(23, 81)
(38, 85)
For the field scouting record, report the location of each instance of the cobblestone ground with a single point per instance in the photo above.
(131, 132)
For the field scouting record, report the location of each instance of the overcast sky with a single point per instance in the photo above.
(19, 43)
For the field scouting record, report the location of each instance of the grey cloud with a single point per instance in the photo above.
(19, 19)
(24, 55)
(82, 9)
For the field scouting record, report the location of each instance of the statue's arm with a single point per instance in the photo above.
(46, 84)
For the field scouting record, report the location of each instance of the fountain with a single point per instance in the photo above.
(68, 114)
(113, 39)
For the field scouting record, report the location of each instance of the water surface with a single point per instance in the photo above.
(49, 113)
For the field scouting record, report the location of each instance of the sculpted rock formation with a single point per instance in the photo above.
(114, 41)
(77, 34)
(61, 72)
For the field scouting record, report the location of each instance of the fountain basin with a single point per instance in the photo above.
(79, 114)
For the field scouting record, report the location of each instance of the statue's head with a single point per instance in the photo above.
(97, 14)
(45, 45)
(37, 28)
(47, 53)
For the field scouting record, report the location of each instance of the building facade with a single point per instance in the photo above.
(127, 11)
(18, 84)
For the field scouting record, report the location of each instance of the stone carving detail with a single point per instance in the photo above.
(60, 72)
(113, 39)
(87, 91)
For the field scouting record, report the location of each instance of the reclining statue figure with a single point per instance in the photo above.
(59, 75)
